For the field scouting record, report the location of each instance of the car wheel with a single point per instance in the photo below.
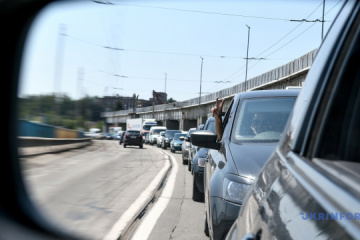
(124, 145)
(184, 161)
(141, 146)
(206, 227)
(189, 165)
(197, 196)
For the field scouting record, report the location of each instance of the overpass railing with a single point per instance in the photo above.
(291, 68)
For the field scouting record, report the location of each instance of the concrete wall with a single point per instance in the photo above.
(33, 129)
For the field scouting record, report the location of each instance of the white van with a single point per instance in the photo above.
(154, 133)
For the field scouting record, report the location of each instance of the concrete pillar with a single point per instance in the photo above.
(172, 124)
(201, 120)
(189, 124)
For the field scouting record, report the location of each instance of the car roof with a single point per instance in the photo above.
(269, 93)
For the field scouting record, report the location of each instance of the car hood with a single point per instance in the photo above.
(249, 158)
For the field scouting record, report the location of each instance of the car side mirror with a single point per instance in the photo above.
(187, 139)
(182, 138)
(206, 139)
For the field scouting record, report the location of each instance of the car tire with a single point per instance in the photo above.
(206, 227)
(197, 196)
(124, 145)
(184, 161)
(141, 146)
(189, 165)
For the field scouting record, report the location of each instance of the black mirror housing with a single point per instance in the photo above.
(206, 139)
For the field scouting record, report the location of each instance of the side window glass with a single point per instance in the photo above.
(335, 134)
(227, 114)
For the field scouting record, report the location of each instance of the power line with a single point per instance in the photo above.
(301, 22)
(172, 53)
(207, 12)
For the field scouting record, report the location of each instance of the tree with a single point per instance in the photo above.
(171, 100)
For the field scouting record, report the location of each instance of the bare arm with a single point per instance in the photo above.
(217, 114)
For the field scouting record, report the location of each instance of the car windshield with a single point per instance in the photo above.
(178, 135)
(261, 120)
(170, 134)
(190, 132)
(157, 131)
(211, 126)
(147, 127)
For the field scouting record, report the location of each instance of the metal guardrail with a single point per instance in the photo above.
(289, 69)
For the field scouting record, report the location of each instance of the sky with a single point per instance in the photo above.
(134, 47)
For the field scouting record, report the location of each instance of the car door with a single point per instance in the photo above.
(213, 158)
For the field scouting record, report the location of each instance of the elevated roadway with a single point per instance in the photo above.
(193, 112)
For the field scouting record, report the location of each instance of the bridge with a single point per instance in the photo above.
(193, 112)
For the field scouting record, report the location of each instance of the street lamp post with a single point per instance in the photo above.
(201, 68)
(165, 81)
(247, 57)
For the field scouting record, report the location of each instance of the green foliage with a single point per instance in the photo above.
(171, 100)
(61, 110)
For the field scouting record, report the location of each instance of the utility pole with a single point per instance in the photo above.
(202, 61)
(247, 57)
(79, 111)
(59, 58)
(57, 73)
(322, 22)
(165, 81)
(201, 69)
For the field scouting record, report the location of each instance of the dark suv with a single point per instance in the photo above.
(168, 137)
(253, 126)
(198, 170)
(133, 138)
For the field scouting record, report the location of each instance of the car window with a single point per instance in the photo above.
(337, 127)
(227, 114)
(259, 120)
(211, 126)
(177, 136)
(170, 134)
(133, 133)
(157, 131)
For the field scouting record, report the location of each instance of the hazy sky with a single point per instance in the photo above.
(131, 46)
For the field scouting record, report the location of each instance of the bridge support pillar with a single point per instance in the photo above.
(186, 124)
(201, 120)
(172, 124)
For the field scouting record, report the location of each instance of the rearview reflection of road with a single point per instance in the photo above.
(87, 190)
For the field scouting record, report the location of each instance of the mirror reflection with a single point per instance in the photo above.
(93, 70)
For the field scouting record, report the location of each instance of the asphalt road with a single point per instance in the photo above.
(95, 191)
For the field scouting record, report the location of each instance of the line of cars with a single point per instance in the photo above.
(297, 176)
(253, 126)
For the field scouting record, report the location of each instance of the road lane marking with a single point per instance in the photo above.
(130, 214)
(147, 225)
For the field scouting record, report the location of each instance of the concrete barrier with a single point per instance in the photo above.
(31, 146)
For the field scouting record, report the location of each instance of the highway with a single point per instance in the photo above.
(99, 192)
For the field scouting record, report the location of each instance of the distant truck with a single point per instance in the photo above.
(134, 124)
(148, 123)
(140, 124)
